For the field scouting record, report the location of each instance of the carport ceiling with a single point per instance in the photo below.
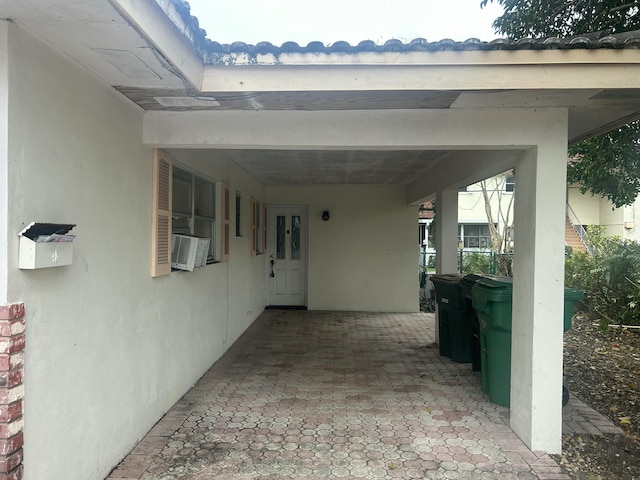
(327, 167)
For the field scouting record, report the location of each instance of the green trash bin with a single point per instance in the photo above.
(466, 284)
(454, 330)
(492, 300)
(571, 297)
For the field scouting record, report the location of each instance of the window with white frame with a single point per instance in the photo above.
(475, 235)
(193, 206)
(509, 183)
(186, 202)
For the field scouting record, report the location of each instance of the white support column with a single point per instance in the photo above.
(538, 295)
(447, 231)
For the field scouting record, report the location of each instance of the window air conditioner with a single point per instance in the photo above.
(188, 252)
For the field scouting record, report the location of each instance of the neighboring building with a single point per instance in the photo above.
(100, 100)
(473, 226)
(582, 210)
(586, 209)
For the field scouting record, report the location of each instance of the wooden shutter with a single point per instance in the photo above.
(226, 223)
(264, 227)
(161, 222)
(254, 238)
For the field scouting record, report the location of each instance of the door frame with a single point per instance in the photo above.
(271, 250)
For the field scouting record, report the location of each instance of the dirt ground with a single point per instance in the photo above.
(603, 370)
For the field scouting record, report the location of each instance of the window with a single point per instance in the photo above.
(258, 227)
(184, 202)
(509, 183)
(475, 236)
(238, 214)
(194, 206)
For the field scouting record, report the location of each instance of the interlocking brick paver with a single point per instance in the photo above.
(310, 395)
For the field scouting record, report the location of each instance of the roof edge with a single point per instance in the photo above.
(215, 53)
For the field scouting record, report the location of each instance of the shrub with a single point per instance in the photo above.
(476, 262)
(610, 276)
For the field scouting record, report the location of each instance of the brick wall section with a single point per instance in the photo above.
(12, 341)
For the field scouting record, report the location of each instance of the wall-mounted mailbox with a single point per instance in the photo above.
(45, 245)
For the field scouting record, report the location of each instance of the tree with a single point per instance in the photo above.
(608, 165)
(499, 218)
(500, 221)
(565, 18)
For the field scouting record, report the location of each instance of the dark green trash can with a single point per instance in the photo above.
(466, 284)
(492, 299)
(454, 335)
(571, 297)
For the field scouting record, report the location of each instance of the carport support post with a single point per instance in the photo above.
(538, 294)
(446, 238)
(447, 231)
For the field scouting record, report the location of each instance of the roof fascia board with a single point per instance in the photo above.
(444, 57)
(155, 25)
(420, 77)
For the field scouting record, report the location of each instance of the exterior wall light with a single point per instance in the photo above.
(325, 215)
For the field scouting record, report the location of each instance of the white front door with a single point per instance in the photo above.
(287, 256)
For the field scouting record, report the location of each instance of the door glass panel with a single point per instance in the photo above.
(280, 236)
(295, 237)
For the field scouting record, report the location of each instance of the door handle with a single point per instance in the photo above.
(272, 263)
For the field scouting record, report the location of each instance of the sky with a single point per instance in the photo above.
(329, 21)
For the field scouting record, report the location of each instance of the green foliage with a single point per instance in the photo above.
(610, 276)
(608, 165)
(476, 262)
(564, 18)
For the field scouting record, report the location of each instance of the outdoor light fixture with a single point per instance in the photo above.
(325, 215)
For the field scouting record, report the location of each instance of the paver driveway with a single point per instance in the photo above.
(314, 395)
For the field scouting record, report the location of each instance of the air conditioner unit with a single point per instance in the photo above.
(188, 252)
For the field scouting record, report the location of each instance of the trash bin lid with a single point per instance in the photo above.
(573, 294)
(495, 282)
(491, 288)
(452, 278)
(470, 279)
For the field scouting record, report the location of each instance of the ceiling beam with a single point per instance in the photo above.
(353, 129)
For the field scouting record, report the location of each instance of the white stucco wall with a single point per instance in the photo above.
(109, 349)
(612, 219)
(365, 256)
(471, 206)
(585, 206)
(596, 210)
(4, 145)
